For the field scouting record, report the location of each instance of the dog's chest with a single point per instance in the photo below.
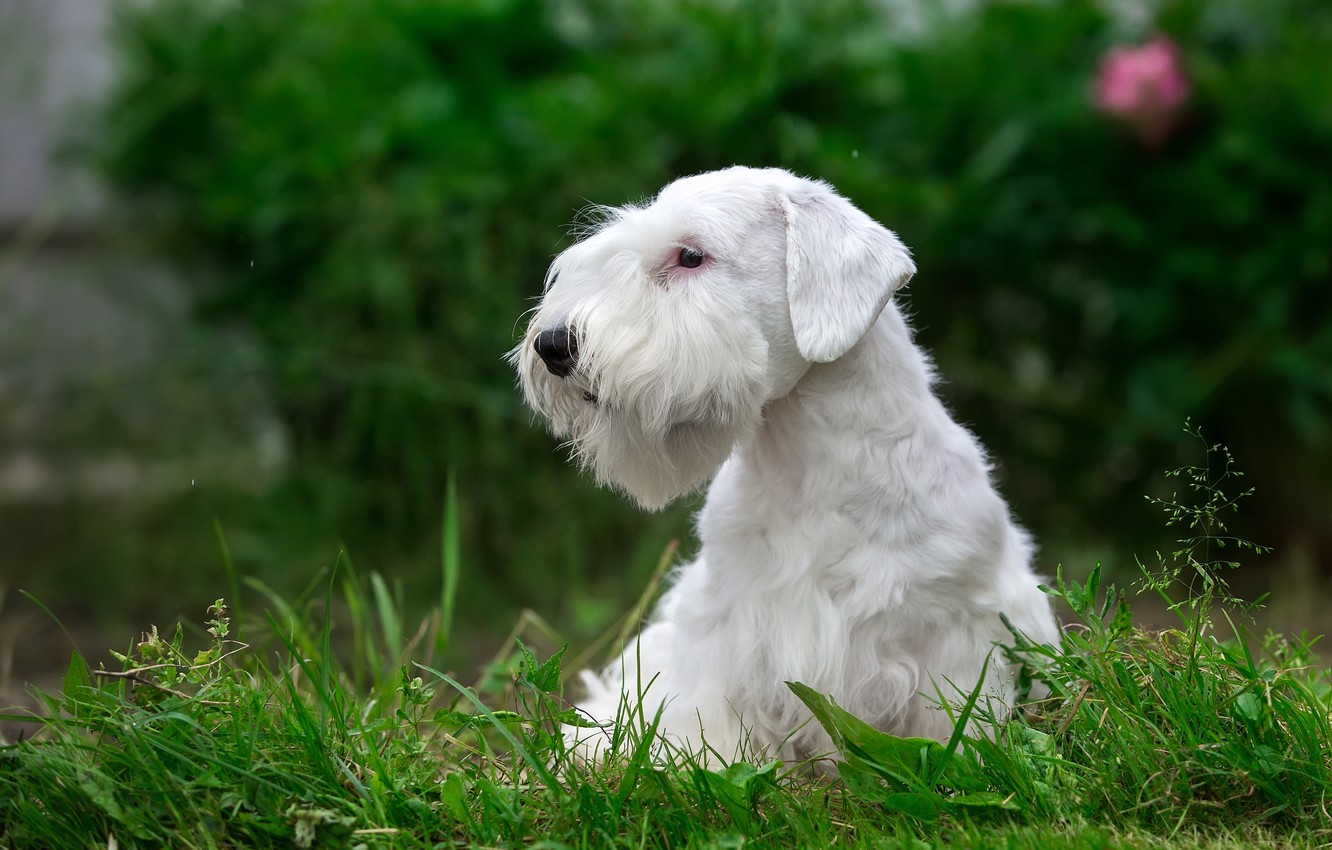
(762, 540)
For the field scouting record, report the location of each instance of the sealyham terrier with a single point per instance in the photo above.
(739, 328)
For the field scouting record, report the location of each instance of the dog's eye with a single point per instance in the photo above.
(691, 259)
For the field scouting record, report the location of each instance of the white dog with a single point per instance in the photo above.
(739, 325)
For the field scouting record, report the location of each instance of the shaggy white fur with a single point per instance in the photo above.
(740, 326)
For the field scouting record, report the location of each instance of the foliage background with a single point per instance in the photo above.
(374, 189)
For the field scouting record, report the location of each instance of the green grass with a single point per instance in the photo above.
(1147, 740)
(329, 722)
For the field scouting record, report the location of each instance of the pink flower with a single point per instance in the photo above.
(1144, 87)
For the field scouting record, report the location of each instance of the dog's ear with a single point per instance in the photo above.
(841, 268)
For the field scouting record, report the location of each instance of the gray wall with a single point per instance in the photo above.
(53, 59)
(107, 388)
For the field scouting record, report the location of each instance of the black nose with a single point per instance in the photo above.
(558, 347)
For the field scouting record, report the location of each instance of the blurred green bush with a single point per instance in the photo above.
(377, 186)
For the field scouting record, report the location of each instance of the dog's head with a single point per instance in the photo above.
(662, 334)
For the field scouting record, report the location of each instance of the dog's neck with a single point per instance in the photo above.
(873, 397)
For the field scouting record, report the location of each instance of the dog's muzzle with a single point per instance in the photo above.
(558, 349)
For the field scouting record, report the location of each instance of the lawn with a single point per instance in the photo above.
(327, 721)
